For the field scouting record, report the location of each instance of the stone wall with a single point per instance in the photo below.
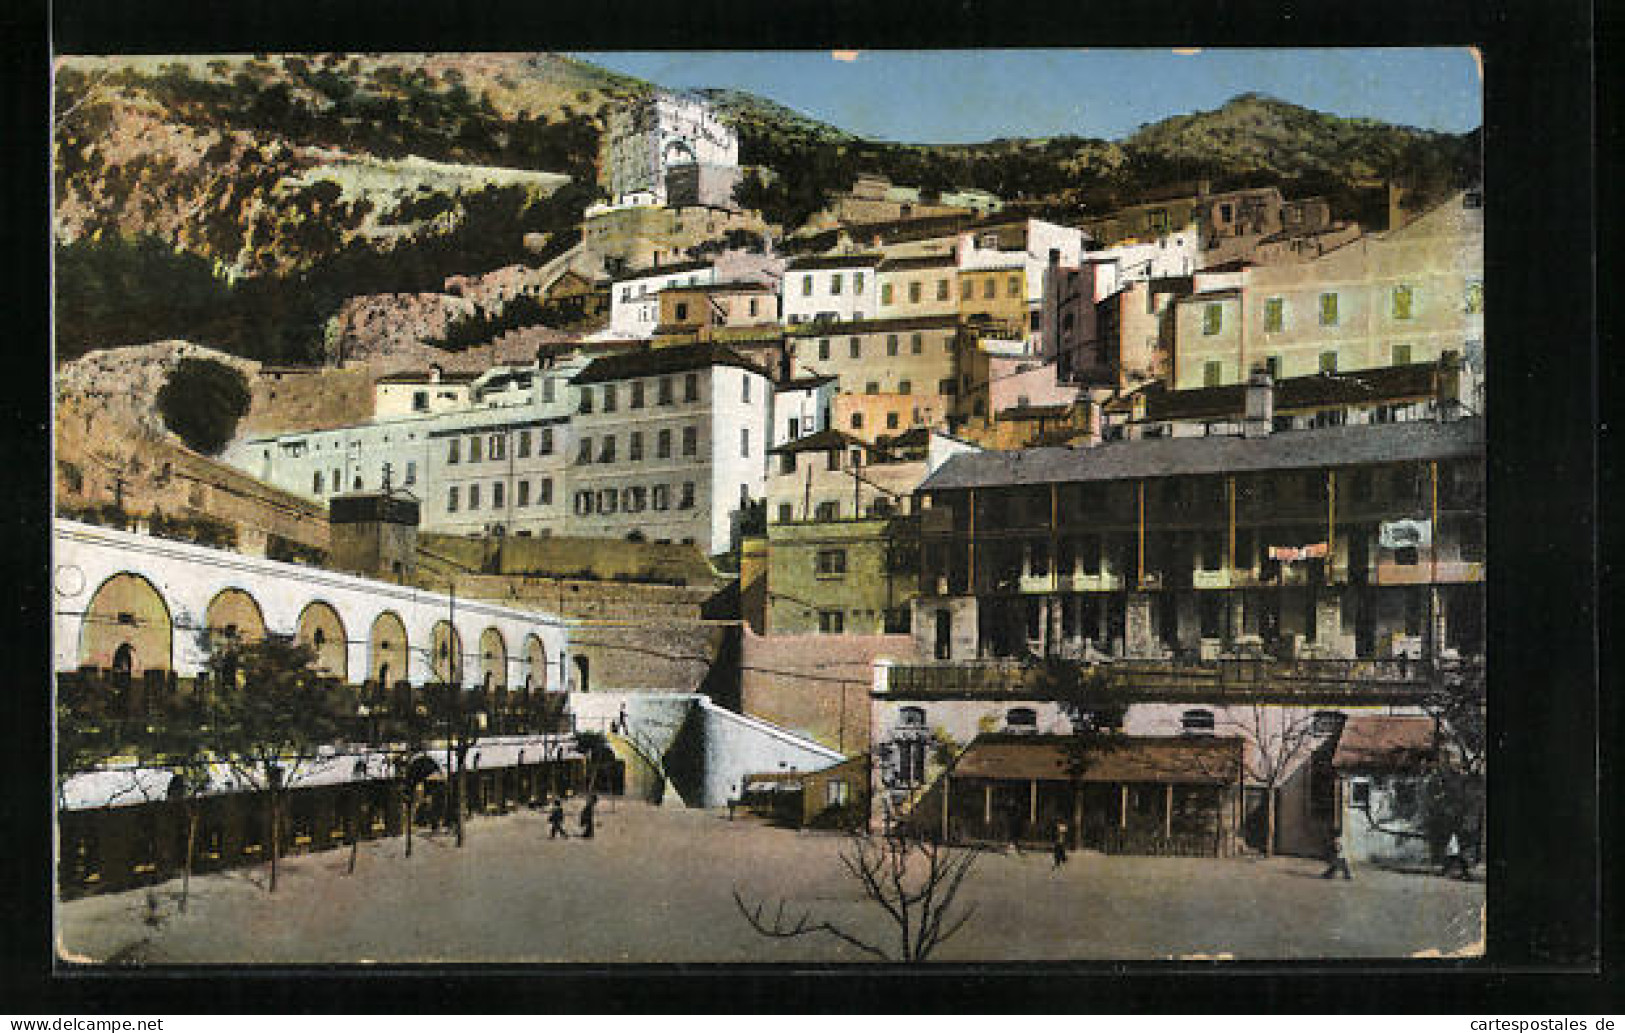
(817, 685)
(300, 399)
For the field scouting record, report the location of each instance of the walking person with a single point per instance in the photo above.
(1335, 861)
(555, 820)
(588, 816)
(1060, 845)
(1455, 859)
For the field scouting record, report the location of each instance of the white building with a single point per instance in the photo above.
(830, 287)
(1036, 246)
(670, 444)
(665, 131)
(802, 406)
(634, 300)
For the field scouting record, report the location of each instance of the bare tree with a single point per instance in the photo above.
(913, 881)
(1278, 740)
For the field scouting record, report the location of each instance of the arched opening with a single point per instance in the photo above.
(234, 615)
(123, 666)
(321, 629)
(387, 648)
(535, 665)
(446, 654)
(493, 660)
(126, 611)
(583, 684)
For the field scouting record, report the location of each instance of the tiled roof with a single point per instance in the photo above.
(827, 440)
(1187, 760)
(801, 383)
(655, 361)
(1175, 457)
(833, 262)
(881, 326)
(1385, 743)
(732, 286)
(661, 270)
(1383, 384)
(897, 265)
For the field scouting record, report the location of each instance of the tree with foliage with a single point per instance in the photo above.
(202, 401)
(269, 716)
(912, 880)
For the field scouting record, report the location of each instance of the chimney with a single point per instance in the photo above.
(1259, 418)
(435, 372)
(1448, 386)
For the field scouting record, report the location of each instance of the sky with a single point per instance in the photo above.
(975, 95)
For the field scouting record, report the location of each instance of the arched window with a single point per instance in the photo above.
(1197, 722)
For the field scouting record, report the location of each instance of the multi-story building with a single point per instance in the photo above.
(920, 286)
(1384, 300)
(655, 135)
(1336, 543)
(413, 392)
(634, 301)
(1037, 247)
(838, 559)
(831, 288)
(802, 406)
(893, 374)
(669, 444)
(695, 312)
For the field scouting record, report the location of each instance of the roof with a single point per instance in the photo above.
(1177, 457)
(806, 381)
(1382, 742)
(1385, 383)
(662, 270)
(895, 265)
(1212, 293)
(832, 262)
(878, 326)
(1187, 760)
(826, 440)
(425, 377)
(721, 288)
(680, 358)
(1034, 412)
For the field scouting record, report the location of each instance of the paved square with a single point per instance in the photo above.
(655, 885)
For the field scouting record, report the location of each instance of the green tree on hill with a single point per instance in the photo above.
(202, 401)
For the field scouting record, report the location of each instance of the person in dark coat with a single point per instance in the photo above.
(1335, 861)
(1060, 844)
(588, 815)
(555, 820)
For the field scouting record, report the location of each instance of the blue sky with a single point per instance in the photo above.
(970, 96)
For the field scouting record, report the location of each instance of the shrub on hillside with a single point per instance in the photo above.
(202, 401)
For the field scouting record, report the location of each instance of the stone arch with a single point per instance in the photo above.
(127, 619)
(446, 654)
(535, 664)
(234, 614)
(388, 649)
(322, 630)
(493, 659)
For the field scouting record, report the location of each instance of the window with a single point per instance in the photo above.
(609, 398)
(547, 389)
(990, 287)
(682, 311)
(1326, 722)
(857, 283)
(891, 344)
(1212, 318)
(835, 793)
(916, 343)
(745, 395)
(891, 421)
(911, 717)
(663, 445)
(744, 442)
(583, 503)
(584, 455)
(1196, 722)
(1272, 365)
(524, 444)
(830, 510)
(637, 499)
(606, 451)
(411, 471)
(1037, 321)
(499, 446)
(1402, 300)
(1212, 373)
(586, 400)
(871, 388)
(1360, 793)
(905, 387)
(545, 446)
(835, 283)
(545, 494)
(661, 497)
(1021, 719)
(945, 386)
(609, 501)
(787, 512)
(857, 421)
(942, 290)
(691, 387)
(420, 401)
(1328, 362)
(855, 347)
(1474, 301)
(823, 351)
(498, 493)
(806, 286)
(665, 391)
(831, 562)
(522, 494)
(637, 395)
(1274, 315)
(1402, 355)
(914, 292)
(316, 484)
(474, 450)
(1328, 310)
(753, 303)
(454, 449)
(685, 500)
(831, 622)
(634, 446)
(1012, 288)
(885, 294)
(691, 441)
